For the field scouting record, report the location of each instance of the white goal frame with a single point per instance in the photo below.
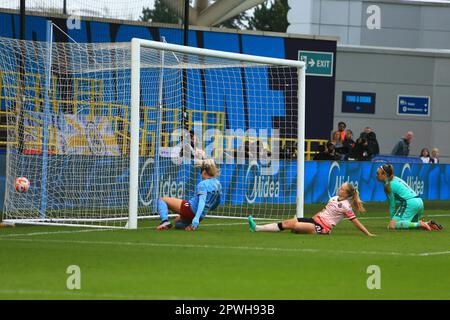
(137, 44)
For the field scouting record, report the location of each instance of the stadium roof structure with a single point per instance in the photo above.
(207, 13)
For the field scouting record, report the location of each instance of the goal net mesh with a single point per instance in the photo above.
(69, 133)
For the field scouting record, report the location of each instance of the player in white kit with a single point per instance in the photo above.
(337, 208)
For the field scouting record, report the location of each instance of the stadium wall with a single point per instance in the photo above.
(322, 179)
(405, 23)
(389, 72)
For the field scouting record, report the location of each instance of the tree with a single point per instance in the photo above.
(237, 22)
(161, 13)
(270, 16)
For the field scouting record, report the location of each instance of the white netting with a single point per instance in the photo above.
(243, 115)
(117, 9)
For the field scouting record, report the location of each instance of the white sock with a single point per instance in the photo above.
(271, 227)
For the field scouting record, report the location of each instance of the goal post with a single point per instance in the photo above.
(138, 44)
(104, 137)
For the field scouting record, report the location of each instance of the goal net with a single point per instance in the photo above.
(103, 130)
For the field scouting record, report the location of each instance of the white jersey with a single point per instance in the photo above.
(334, 212)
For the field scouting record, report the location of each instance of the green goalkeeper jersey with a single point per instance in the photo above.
(400, 193)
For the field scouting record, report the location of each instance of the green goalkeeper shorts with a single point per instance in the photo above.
(411, 211)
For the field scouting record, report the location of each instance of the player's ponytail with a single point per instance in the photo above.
(353, 193)
(388, 170)
(357, 203)
(210, 167)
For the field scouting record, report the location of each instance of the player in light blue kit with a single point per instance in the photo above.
(207, 198)
(410, 206)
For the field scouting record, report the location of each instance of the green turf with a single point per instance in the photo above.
(223, 260)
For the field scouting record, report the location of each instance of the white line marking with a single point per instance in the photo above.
(53, 232)
(387, 218)
(96, 295)
(425, 254)
(102, 230)
(152, 227)
(221, 247)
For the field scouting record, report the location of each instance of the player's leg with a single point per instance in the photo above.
(271, 227)
(304, 228)
(433, 224)
(174, 204)
(291, 224)
(407, 213)
(164, 204)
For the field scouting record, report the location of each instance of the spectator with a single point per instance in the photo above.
(434, 155)
(402, 147)
(322, 153)
(348, 143)
(361, 151)
(340, 131)
(371, 137)
(336, 139)
(331, 149)
(327, 152)
(425, 155)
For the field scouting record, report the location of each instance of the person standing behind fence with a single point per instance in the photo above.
(425, 155)
(373, 147)
(434, 155)
(402, 147)
(341, 130)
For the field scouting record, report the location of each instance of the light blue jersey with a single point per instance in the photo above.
(208, 194)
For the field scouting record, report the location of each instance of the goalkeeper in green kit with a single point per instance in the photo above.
(410, 206)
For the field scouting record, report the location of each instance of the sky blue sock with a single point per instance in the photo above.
(407, 225)
(163, 210)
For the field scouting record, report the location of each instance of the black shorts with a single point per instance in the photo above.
(317, 226)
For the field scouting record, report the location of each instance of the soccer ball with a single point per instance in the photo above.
(22, 184)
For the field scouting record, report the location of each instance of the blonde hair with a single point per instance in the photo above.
(356, 202)
(210, 167)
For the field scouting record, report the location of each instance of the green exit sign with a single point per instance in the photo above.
(318, 63)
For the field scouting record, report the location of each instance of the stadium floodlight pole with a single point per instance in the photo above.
(186, 23)
(22, 19)
(137, 44)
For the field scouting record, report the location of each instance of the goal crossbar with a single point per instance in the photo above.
(137, 44)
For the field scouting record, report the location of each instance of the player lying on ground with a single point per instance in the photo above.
(337, 208)
(190, 213)
(410, 205)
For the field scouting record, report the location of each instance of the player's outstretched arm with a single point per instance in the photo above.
(361, 227)
(201, 206)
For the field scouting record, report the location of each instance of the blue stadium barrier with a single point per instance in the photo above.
(322, 179)
(395, 159)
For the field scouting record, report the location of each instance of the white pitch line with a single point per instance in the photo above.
(12, 235)
(425, 254)
(221, 247)
(96, 295)
(52, 232)
(203, 225)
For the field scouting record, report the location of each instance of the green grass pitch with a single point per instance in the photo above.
(223, 260)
